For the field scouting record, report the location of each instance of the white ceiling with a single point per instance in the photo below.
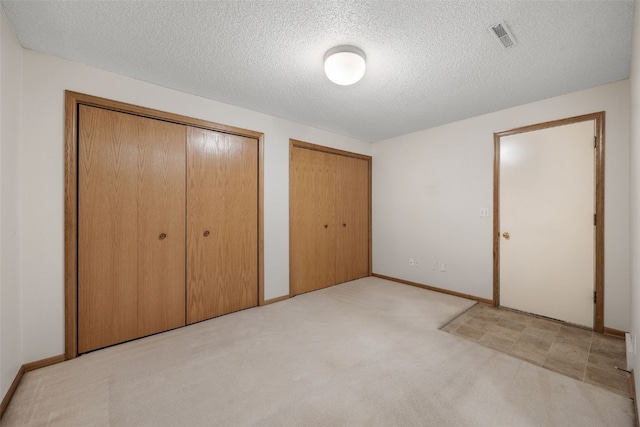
(428, 62)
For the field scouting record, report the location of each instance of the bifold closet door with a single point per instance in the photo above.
(313, 220)
(222, 231)
(352, 214)
(131, 227)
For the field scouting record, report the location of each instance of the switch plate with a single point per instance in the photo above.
(484, 212)
(443, 267)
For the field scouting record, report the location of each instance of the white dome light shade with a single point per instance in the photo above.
(344, 65)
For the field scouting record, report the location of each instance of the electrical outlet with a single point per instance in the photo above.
(415, 263)
(412, 262)
(435, 265)
(443, 267)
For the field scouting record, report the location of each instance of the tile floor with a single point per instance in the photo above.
(574, 352)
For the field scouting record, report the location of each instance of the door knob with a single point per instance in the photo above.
(506, 235)
(206, 233)
(162, 236)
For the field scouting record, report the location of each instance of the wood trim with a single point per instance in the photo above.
(275, 300)
(123, 107)
(12, 389)
(316, 147)
(32, 366)
(600, 215)
(435, 289)
(261, 300)
(370, 216)
(71, 226)
(617, 333)
(599, 119)
(552, 123)
(72, 102)
(309, 146)
(27, 367)
(496, 220)
(291, 291)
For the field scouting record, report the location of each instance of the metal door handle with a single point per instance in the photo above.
(326, 226)
(206, 233)
(162, 236)
(344, 225)
(506, 235)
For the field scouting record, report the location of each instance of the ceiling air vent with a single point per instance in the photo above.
(502, 34)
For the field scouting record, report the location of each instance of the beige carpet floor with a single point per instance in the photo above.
(367, 352)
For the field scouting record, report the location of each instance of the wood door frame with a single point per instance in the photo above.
(294, 143)
(72, 102)
(599, 119)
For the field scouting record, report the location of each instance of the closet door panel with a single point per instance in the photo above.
(130, 283)
(312, 211)
(222, 231)
(107, 229)
(161, 226)
(352, 207)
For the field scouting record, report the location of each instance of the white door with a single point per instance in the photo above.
(547, 222)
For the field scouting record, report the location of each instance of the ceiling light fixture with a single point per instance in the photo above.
(344, 65)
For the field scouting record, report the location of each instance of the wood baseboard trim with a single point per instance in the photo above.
(27, 367)
(614, 332)
(12, 389)
(274, 300)
(435, 289)
(32, 366)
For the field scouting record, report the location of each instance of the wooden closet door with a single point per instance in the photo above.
(162, 212)
(352, 214)
(131, 191)
(222, 231)
(313, 220)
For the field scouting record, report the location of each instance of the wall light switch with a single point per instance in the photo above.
(484, 212)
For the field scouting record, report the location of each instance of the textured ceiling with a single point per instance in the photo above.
(428, 62)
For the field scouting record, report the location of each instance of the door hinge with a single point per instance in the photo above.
(595, 142)
(595, 297)
(595, 219)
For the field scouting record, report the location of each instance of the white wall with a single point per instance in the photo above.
(10, 101)
(634, 361)
(41, 169)
(428, 188)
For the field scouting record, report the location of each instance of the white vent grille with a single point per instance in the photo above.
(501, 33)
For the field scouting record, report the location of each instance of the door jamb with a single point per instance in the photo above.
(599, 119)
(72, 102)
